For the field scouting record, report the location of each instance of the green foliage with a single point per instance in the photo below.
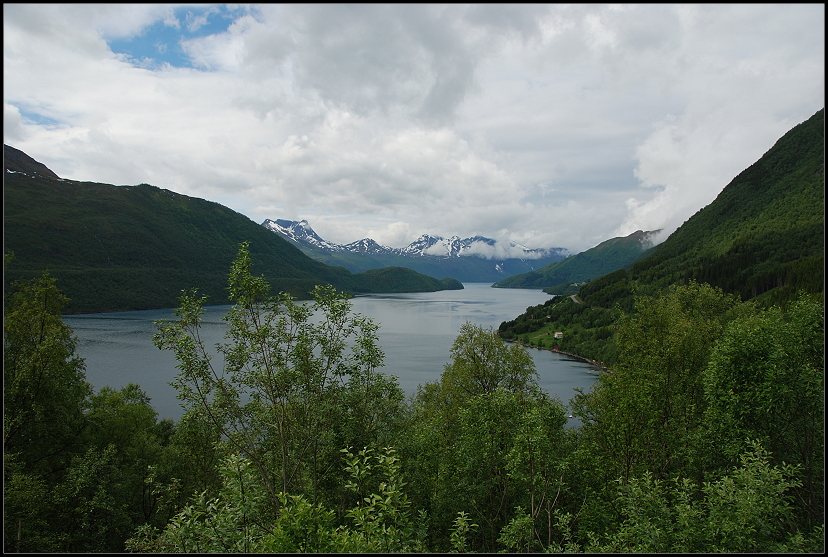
(237, 519)
(398, 279)
(44, 395)
(484, 440)
(564, 289)
(644, 415)
(232, 522)
(765, 381)
(298, 381)
(587, 330)
(382, 521)
(481, 364)
(44, 384)
(747, 510)
(460, 532)
(517, 536)
(75, 462)
(697, 374)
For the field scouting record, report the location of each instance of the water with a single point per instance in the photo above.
(416, 333)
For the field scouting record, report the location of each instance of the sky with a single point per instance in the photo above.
(544, 125)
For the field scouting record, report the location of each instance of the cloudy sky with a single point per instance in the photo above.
(545, 125)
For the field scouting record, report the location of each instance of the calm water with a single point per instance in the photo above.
(416, 333)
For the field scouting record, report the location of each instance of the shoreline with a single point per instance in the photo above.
(593, 363)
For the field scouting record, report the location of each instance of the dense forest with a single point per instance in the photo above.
(707, 436)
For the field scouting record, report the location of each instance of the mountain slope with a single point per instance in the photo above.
(604, 258)
(136, 247)
(467, 259)
(16, 161)
(762, 238)
(764, 235)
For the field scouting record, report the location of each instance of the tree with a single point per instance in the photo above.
(481, 363)
(236, 519)
(44, 382)
(76, 463)
(748, 509)
(765, 381)
(144, 465)
(44, 395)
(645, 414)
(485, 439)
(298, 383)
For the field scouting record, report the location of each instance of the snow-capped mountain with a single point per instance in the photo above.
(476, 259)
(480, 246)
(300, 233)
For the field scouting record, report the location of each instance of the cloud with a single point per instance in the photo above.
(726, 125)
(499, 250)
(548, 126)
(12, 128)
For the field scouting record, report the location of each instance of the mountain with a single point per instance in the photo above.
(467, 259)
(604, 258)
(762, 239)
(137, 247)
(16, 161)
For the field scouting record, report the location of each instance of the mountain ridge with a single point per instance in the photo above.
(433, 255)
(116, 248)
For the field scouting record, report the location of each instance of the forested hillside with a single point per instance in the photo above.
(137, 247)
(604, 258)
(764, 235)
(761, 239)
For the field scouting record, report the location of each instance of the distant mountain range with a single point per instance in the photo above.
(137, 247)
(476, 259)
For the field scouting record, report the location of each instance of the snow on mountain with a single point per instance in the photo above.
(300, 232)
(367, 245)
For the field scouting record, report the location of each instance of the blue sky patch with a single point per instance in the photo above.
(161, 42)
(37, 118)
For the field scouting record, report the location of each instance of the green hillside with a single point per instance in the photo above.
(764, 235)
(761, 239)
(604, 258)
(136, 247)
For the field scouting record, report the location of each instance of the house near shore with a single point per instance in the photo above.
(559, 335)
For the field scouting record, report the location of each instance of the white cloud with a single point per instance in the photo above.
(500, 250)
(12, 124)
(543, 125)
